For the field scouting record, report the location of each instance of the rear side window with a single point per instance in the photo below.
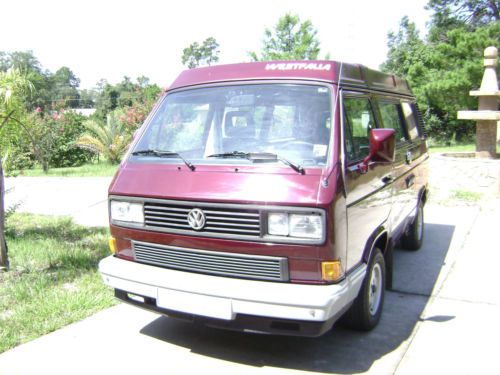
(391, 118)
(358, 121)
(411, 120)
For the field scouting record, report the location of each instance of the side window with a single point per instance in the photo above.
(358, 121)
(411, 120)
(391, 118)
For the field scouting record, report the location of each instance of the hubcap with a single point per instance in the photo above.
(375, 289)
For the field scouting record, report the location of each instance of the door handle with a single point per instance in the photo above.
(410, 180)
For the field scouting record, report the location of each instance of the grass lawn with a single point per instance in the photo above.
(101, 169)
(53, 280)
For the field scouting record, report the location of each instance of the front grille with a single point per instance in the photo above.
(215, 263)
(225, 221)
(246, 222)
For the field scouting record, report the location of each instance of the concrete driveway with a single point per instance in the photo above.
(82, 198)
(442, 317)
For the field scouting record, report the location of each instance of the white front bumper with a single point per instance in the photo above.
(224, 298)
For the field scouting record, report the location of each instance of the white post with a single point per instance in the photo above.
(487, 114)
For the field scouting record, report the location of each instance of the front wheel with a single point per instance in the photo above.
(366, 309)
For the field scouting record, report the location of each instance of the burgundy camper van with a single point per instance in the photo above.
(268, 197)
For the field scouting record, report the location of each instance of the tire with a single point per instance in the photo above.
(414, 235)
(366, 309)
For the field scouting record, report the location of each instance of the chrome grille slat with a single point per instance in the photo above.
(228, 259)
(219, 220)
(153, 212)
(163, 218)
(241, 225)
(219, 270)
(156, 222)
(230, 213)
(226, 264)
(169, 208)
(215, 260)
(210, 228)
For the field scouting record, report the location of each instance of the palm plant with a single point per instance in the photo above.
(109, 140)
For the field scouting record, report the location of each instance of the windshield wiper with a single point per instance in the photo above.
(259, 156)
(164, 154)
(245, 155)
(296, 167)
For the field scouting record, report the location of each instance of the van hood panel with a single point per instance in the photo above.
(267, 184)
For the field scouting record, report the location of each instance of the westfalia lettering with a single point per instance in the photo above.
(298, 66)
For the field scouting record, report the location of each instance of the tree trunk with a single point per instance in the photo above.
(4, 260)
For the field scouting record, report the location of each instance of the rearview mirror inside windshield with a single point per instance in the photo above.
(241, 100)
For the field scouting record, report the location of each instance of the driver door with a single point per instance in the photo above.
(368, 194)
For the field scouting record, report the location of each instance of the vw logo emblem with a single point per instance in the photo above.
(196, 219)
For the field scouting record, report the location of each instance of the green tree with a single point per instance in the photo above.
(13, 85)
(125, 94)
(406, 49)
(52, 90)
(197, 55)
(452, 14)
(444, 68)
(143, 82)
(28, 65)
(88, 98)
(64, 88)
(107, 100)
(291, 39)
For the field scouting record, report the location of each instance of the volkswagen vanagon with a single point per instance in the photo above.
(268, 197)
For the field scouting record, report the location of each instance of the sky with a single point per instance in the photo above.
(111, 39)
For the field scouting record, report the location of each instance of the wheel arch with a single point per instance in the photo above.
(380, 239)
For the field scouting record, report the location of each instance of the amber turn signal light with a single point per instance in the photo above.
(331, 270)
(112, 245)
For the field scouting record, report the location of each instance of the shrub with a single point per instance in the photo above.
(109, 140)
(132, 117)
(65, 153)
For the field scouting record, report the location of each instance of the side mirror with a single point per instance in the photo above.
(382, 146)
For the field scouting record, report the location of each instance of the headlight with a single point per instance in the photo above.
(308, 226)
(277, 224)
(295, 225)
(126, 211)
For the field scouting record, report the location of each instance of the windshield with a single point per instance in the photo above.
(218, 124)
